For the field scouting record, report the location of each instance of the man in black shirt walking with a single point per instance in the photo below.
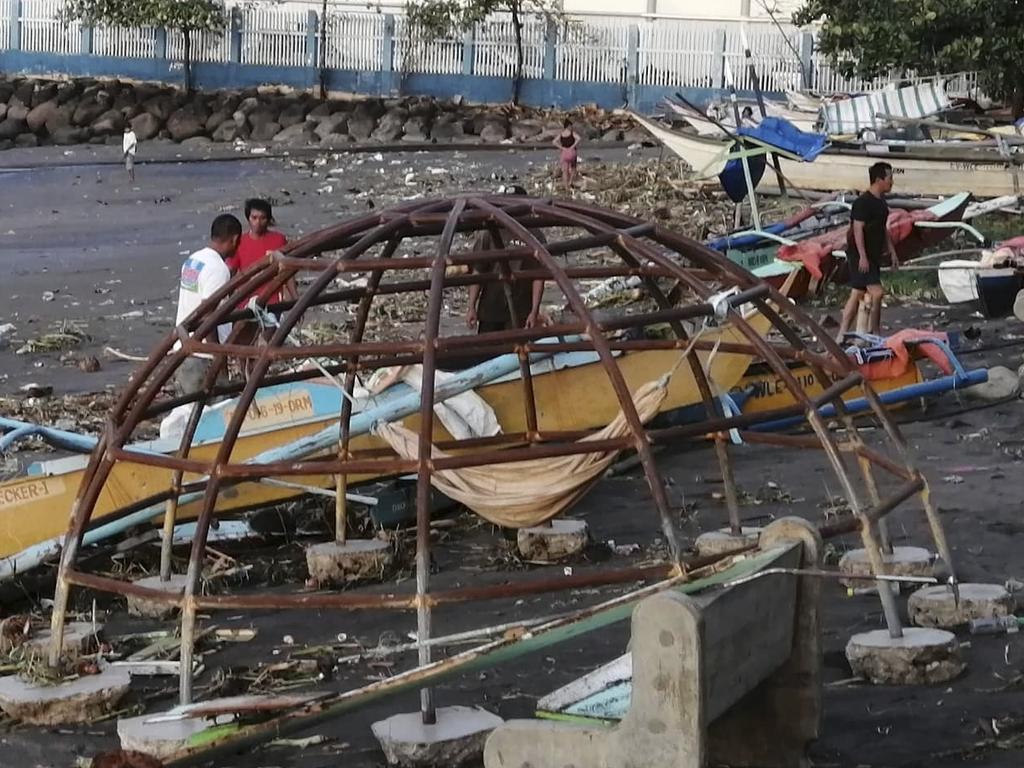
(867, 243)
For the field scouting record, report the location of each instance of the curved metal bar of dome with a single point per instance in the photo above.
(231, 431)
(831, 449)
(200, 465)
(228, 473)
(525, 374)
(671, 240)
(432, 331)
(700, 375)
(918, 483)
(890, 427)
(195, 414)
(161, 365)
(641, 444)
(345, 418)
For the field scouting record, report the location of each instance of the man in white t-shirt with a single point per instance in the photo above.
(202, 274)
(129, 145)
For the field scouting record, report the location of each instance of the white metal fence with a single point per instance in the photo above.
(593, 51)
(274, 37)
(43, 29)
(667, 52)
(127, 42)
(355, 40)
(494, 48)
(206, 46)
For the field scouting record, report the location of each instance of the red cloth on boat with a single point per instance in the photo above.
(1017, 243)
(902, 357)
(815, 252)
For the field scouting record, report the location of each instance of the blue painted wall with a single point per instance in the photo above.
(562, 94)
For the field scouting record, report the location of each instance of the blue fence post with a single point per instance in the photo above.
(235, 36)
(718, 60)
(807, 58)
(15, 33)
(387, 45)
(86, 45)
(312, 26)
(550, 49)
(468, 51)
(160, 43)
(632, 64)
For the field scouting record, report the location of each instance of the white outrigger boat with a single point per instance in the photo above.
(920, 168)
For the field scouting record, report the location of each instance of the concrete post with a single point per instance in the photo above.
(235, 36)
(86, 47)
(806, 58)
(468, 51)
(312, 28)
(718, 59)
(632, 63)
(550, 49)
(15, 20)
(387, 45)
(160, 43)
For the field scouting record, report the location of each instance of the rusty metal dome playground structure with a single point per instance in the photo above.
(423, 248)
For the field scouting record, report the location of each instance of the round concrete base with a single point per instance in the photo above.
(904, 561)
(355, 560)
(163, 740)
(79, 640)
(151, 609)
(921, 656)
(81, 700)
(456, 738)
(562, 539)
(712, 543)
(1002, 384)
(936, 607)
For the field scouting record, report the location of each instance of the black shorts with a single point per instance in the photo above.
(861, 280)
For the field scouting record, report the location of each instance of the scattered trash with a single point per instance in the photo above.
(36, 390)
(996, 626)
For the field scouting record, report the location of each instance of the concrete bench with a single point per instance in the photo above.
(728, 676)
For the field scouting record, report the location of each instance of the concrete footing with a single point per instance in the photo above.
(164, 741)
(79, 640)
(936, 606)
(456, 738)
(81, 700)
(561, 539)
(152, 609)
(904, 561)
(355, 560)
(712, 543)
(921, 656)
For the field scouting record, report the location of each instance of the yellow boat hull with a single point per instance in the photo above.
(37, 508)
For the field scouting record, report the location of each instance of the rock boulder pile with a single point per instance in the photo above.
(37, 112)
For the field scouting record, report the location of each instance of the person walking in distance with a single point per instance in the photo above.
(202, 275)
(129, 145)
(568, 142)
(867, 244)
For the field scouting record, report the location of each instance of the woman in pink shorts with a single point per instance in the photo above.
(567, 142)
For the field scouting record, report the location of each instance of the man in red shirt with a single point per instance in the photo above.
(253, 248)
(257, 243)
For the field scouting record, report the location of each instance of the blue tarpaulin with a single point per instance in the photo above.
(783, 135)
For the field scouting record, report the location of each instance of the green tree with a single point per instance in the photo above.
(439, 19)
(187, 16)
(867, 38)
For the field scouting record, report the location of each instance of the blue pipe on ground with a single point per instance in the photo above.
(925, 388)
